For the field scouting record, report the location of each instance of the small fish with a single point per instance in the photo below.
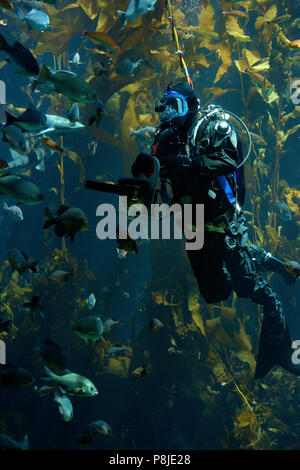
(36, 19)
(52, 355)
(8, 443)
(121, 253)
(14, 136)
(65, 406)
(21, 190)
(73, 114)
(119, 351)
(31, 120)
(103, 39)
(127, 67)
(236, 13)
(127, 244)
(279, 19)
(155, 324)
(76, 59)
(14, 211)
(6, 5)
(283, 211)
(135, 9)
(3, 22)
(294, 44)
(102, 65)
(11, 375)
(144, 134)
(101, 427)
(35, 307)
(92, 146)
(140, 371)
(61, 276)
(68, 222)
(45, 390)
(68, 83)
(72, 383)
(99, 113)
(195, 10)
(109, 324)
(89, 329)
(258, 138)
(51, 144)
(91, 301)
(19, 262)
(258, 78)
(21, 57)
(173, 351)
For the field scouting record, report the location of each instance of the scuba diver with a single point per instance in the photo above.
(200, 154)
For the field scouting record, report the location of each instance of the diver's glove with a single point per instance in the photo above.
(171, 162)
(144, 163)
(293, 269)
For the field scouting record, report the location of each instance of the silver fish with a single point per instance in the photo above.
(36, 19)
(14, 211)
(73, 384)
(64, 405)
(135, 9)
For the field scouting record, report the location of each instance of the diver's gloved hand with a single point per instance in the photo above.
(174, 161)
(293, 269)
(144, 163)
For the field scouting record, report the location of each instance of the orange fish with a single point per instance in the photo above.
(140, 372)
(51, 144)
(257, 77)
(103, 39)
(295, 43)
(240, 14)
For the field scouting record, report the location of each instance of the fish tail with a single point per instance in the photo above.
(49, 219)
(3, 43)
(25, 442)
(5, 206)
(45, 74)
(20, 14)
(10, 119)
(50, 374)
(123, 18)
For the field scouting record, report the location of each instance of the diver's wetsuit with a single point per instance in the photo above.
(225, 262)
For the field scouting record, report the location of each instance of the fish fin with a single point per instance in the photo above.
(50, 219)
(10, 119)
(33, 266)
(123, 18)
(45, 74)
(25, 256)
(63, 208)
(20, 14)
(3, 43)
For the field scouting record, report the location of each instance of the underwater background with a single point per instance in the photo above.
(205, 396)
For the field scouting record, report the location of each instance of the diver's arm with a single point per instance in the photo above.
(220, 155)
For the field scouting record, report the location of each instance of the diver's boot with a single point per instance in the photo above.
(275, 347)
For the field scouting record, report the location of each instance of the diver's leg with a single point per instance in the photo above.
(209, 269)
(264, 261)
(275, 341)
